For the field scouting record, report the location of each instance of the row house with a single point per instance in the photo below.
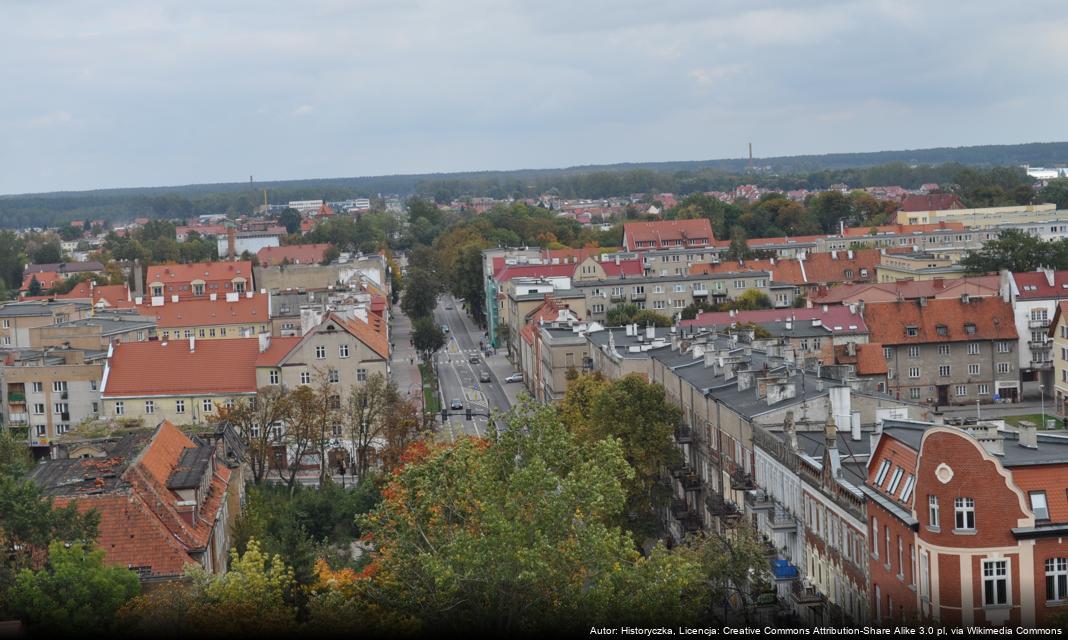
(667, 234)
(95, 332)
(667, 295)
(846, 294)
(231, 316)
(165, 500)
(545, 379)
(948, 351)
(967, 525)
(839, 324)
(808, 272)
(47, 391)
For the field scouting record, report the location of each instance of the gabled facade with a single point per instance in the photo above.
(197, 280)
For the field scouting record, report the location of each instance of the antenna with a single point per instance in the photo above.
(750, 156)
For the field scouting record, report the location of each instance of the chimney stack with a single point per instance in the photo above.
(1028, 437)
(192, 344)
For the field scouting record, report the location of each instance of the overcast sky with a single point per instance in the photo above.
(117, 93)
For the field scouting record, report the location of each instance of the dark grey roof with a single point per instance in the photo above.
(65, 267)
(112, 323)
(17, 309)
(192, 465)
(1052, 448)
(555, 295)
(88, 476)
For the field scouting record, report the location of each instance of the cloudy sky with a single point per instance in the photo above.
(117, 93)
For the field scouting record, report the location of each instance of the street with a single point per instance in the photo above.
(459, 378)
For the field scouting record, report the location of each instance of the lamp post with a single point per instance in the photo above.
(1042, 400)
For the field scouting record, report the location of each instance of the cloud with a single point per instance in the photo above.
(429, 85)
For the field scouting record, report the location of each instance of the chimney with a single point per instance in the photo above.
(990, 438)
(265, 341)
(650, 331)
(851, 348)
(192, 344)
(830, 441)
(1028, 434)
(922, 301)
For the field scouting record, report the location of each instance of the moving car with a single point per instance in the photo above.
(473, 359)
(445, 328)
(448, 307)
(456, 404)
(515, 377)
(484, 376)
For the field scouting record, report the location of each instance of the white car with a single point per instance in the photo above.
(515, 377)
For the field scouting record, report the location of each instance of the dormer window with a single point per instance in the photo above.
(912, 331)
(942, 330)
(969, 328)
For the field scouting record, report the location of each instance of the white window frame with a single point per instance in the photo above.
(995, 571)
(964, 514)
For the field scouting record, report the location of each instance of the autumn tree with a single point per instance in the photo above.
(364, 417)
(260, 424)
(312, 416)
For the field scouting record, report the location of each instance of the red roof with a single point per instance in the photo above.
(47, 279)
(278, 349)
(1036, 284)
(868, 359)
(931, 202)
(612, 270)
(991, 318)
(200, 311)
(294, 254)
(207, 271)
(837, 319)
(372, 333)
(816, 268)
(167, 367)
(755, 243)
(663, 234)
(908, 290)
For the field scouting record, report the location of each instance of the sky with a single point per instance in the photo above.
(122, 93)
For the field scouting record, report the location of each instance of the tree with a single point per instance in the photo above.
(637, 414)
(48, 253)
(420, 294)
(254, 598)
(519, 534)
(259, 425)
(311, 418)
(404, 424)
(751, 299)
(627, 313)
(75, 592)
(427, 337)
(364, 417)
(290, 219)
(330, 254)
(1016, 251)
(35, 287)
(12, 258)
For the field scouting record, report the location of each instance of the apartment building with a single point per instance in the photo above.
(1034, 297)
(920, 265)
(292, 254)
(96, 332)
(808, 272)
(1058, 335)
(348, 270)
(666, 234)
(845, 294)
(215, 317)
(195, 280)
(966, 525)
(948, 351)
(667, 295)
(837, 324)
(18, 318)
(47, 391)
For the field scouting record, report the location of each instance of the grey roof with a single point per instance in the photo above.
(113, 322)
(65, 267)
(192, 465)
(87, 476)
(561, 294)
(671, 278)
(1052, 448)
(25, 309)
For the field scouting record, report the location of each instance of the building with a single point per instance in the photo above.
(808, 272)
(842, 324)
(667, 234)
(47, 391)
(1058, 333)
(95, 332)
(233, 316)
(667, 295)
(165, 500)
(948, 351)
(292, 254)
(1034, 297)
(974, 286)
(934, 208)
(198, 279)
(65, 269)
(966, 525)
(349, 269)
(17, 319)
(920, 265)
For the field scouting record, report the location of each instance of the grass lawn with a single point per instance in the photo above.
(1035, 418)
(430, 388)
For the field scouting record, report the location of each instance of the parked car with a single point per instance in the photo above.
(484, 376)
(445, 328)
(473, 360)
(448, 307)
(456, 404)
(515, 377)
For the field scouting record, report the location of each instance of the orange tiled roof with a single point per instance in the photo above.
(278, 349)
(206, 312)
(153, 368)
(664, 231)
(991, 316)
(931, 202)
(47, 279)
(294, 253)
(372, 333)
(816, 268)
(869, 359)
(206, 271)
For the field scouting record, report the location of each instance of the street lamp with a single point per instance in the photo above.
(1042, 400)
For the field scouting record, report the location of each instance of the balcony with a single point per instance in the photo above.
(18, 418)
(683, 435)
(13, 396)
(1040, 344)
(758, 500)
(780, 520)
(698, 293)
(618, 298)
(1038, 324)
(691, 482)
(691, 522)
(679, 508)
(783, 570)
(805, 594)
(717, 506)
(638, 296)
(681, 470)
(741, 481)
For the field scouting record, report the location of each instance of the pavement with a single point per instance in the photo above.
(404, 361)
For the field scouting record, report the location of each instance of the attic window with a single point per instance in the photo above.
(330, 327)
(969, 328)
(912, 331)
(942, 329)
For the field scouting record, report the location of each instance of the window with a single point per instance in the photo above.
(320, 352)
(150, 407)
(1004, 347)
(343, 351)
(969, 328)
(60, 407)
(38, 409)
(198, 289)
(886, 535)
(925, 576)
(305, 377)
(211, 332)
(912, 331)
(1003, 367)
(179, 406)
(189, 333)
(7, 324)
(995, 583)
(900, 558)
(942, 330)
(973, 369)
(598, 308)
(906, 492)
(943, 370)
(962, 390)
(883, 468)
(1056, 579)
(875, 537)
(331, 375)
(202, 333)
(38, 387)
(932, 512)
(59, 386)
(984, 389)
(943, 349)
(273, 376)
(965, 514)
(895, 480)
(888, 352)
(914, 393)
(914, 352)
(1038, 505)
(119, 408)
(361, 375)
(973, 348)
(41, 430)
(914, 372)
(334, 402)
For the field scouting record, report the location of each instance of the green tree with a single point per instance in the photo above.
(290, 219)
(420, 294)
(751, 299)
(75, 592)
(1016, 251)
(627, 313)
(330, 254)
(427, 337)
(48, 253)
(35, 288)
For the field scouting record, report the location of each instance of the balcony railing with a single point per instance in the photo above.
(683, 435)
(1037, 324)
(804, 594)
(700, 292)
(691, 482)
(717, 506)
(638, 296)
(16, 397)
(758, 500)
(18, 418)
(619, 298)
(782, 520)
(742, 481)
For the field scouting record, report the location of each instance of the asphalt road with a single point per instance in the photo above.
(459, 378)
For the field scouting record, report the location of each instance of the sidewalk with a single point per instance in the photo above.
(404, 362)
(501, 369)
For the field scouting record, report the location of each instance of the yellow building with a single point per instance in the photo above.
(1058, 330)
(232, 316)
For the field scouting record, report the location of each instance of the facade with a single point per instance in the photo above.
(348, 270)
(808, 272)
(46, 392)
(1035, 297)
(197, 280)
(95, 332)
(948, 351)
(967, 525)
(919, 265)
(667, 295)
(1058, 335)
(17, 319)
(938, 208)
(667, 234)
(231, 316)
